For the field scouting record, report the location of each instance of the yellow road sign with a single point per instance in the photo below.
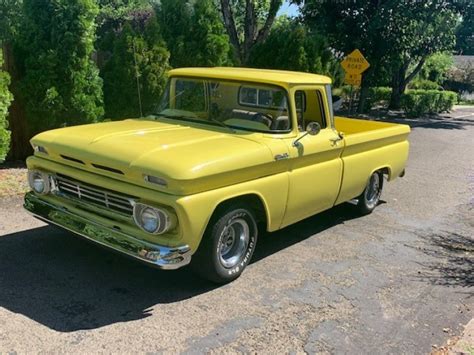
(353, 79)
(355, 63)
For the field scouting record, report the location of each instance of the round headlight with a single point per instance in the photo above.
(39, 182)
(152, 220)
(149, 220)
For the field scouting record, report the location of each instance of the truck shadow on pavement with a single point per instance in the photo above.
(68, 284)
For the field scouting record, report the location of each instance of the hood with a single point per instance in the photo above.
(189, 157)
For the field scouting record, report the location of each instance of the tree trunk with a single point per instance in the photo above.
(398, 86)
(396, 96)
(364, 92)
(20, 147)
(400, 80)
(251, 35)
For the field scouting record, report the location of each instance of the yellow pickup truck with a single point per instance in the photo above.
(228, 153)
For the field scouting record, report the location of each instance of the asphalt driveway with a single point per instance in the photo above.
(397, 281)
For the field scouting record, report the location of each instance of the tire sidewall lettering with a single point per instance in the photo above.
(250, 248)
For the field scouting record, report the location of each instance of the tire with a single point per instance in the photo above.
(369, 199)
(227, 246)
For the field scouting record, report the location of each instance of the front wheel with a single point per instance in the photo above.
(370, 198)
(227, 246)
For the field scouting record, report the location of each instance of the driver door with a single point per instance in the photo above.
(315, 166)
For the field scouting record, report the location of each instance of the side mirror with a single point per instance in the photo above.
(312, 129)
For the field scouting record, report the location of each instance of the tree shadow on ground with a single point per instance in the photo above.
(68, 284)
(453, 260)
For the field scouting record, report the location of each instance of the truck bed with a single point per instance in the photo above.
(370, 146)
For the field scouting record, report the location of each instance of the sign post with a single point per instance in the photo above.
(354, 65)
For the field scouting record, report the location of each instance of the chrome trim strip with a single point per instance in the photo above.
(157, 255)
(282, 156)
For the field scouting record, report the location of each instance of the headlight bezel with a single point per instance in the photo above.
(37, 175)
(166, 221)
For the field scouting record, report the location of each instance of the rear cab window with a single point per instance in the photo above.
(310, 107)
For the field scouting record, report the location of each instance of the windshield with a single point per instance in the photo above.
(246, 106)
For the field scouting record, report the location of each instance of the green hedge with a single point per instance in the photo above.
(419, 102)
(378, 95)
(5, 100)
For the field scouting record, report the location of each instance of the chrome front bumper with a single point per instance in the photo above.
(157, 255)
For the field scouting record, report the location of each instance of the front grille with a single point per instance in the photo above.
(94, 195)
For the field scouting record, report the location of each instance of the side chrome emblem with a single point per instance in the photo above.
(281, 156)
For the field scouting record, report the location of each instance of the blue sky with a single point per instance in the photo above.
(288, 9)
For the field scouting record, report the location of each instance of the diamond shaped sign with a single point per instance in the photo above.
(355, 63)
(353, 79)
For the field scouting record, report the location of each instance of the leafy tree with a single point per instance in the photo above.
(436, 68)
(194, 33)
(248, 23)
(292, 46)
(5, 100)
(415, 31)
(136, 53)
(348, 25)
(60, 83)
(395, 36)
(465, 31)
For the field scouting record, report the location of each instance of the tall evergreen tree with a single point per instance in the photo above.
(136, 53)
(292, 46)
(60, 83)
(5, 100)
(194, 33)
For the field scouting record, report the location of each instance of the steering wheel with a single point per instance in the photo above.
(264, 118)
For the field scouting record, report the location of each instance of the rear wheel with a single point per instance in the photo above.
(227, 246)
(370, 198)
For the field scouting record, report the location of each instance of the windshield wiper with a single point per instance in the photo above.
(155, 115)
(194, 119)
(222, 124)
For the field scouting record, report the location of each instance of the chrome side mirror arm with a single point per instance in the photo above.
(297, 141)
(313, 128)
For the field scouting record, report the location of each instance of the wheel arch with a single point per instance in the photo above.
(385, 170)
(252, 199)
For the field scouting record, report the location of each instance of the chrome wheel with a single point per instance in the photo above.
(373, 190)
(233, 242)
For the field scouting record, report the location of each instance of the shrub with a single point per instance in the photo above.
(5, 100)
(424, 85)
(419, 102)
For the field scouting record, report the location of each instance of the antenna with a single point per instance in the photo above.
(137, 75)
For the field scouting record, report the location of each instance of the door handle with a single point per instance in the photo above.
(340, 137)
(335, 140)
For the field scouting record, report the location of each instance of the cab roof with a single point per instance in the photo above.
(277, 77)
